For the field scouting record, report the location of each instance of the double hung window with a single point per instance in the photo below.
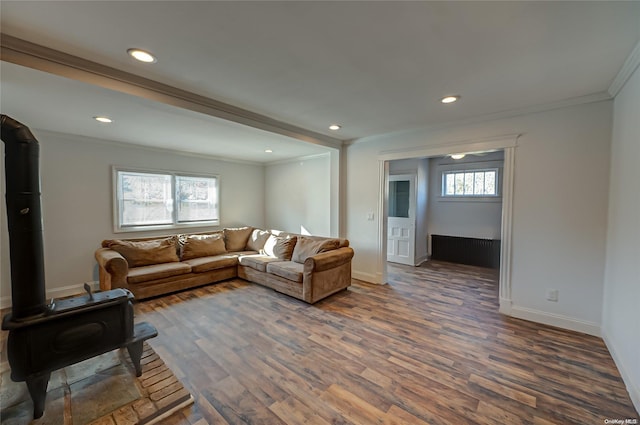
(158, 199)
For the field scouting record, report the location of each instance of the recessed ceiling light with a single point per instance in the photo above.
(449, 99)
(458, 155)
(142, 56)
(334, 127)
(105, 120)
(268, 151)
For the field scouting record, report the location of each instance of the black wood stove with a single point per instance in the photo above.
(44, 337)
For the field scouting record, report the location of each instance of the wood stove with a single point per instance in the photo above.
(46, 337)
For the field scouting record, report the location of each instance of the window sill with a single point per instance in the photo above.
(490, 199)
(131, 229)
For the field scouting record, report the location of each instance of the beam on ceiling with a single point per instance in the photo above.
(31, 55)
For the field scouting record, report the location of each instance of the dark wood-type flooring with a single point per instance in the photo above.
(429, 347)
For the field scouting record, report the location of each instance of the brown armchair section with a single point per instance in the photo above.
(326, 273)
(113, 269)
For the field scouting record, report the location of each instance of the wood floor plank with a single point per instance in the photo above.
(429, 348)
(292, 411)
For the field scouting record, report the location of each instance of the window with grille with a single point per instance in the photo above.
(470, 183)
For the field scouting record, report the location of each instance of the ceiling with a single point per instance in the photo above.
(372, 67)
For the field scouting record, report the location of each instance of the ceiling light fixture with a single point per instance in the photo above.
(268, 151)
(450, 99)
(105, 120)
(142, 56)
(458, 155)
(334, 127)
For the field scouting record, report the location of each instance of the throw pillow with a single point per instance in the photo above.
(202, 246)
(307, 247)
(145, 253)
(257, 240)
(235, 238)
(280, 247)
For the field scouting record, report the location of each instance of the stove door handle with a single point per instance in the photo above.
(87, 288)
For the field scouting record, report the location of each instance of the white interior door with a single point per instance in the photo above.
(401, 224)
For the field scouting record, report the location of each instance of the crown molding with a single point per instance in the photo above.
(298, 159)
(84, 139)
(629, 66)
(575, 101)
(466, 146)
(42, 58)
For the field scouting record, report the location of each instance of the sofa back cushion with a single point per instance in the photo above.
(257, 239)
(341, 241)
(279, 247)
(196, 246)
(147, 252)
(235, 238)
(308, 247)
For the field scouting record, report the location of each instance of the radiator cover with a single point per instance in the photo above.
(462, 250)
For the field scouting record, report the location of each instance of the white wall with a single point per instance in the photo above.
(77, 202)
(471, 218)
(620, 319)
(559, 206)
(298, 195)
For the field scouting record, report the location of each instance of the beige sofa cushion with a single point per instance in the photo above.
(204, 264)
(241, 253)
(235, 238)
(257, 262)
(287, 269)
(156, 271)
(196, 246)
(257, 239)
(306, 247)
(145, 253)
(280, 247)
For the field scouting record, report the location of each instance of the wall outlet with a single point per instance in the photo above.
(552, 295)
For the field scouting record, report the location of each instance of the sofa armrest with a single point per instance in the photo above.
(326, 273)
(113, 269)
(328, 260)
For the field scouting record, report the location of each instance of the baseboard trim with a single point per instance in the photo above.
(63, 291)
(367, 277)
(632, 388)
(505, 306)
(557, 320)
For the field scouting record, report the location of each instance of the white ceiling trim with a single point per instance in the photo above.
(31, 55)
(42, 135)
(590, 98)
(462, 146)
(298, 159)
(629, 66)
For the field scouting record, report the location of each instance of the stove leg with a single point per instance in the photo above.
(141, 332)
(37, 385)
(135, 352)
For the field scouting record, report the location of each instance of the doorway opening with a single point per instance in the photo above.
(446, 208)
(505, 144)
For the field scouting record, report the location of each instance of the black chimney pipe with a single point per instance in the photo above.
(24, 217)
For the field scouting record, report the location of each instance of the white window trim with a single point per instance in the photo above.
(117, 228)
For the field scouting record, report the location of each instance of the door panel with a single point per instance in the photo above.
(401, 221)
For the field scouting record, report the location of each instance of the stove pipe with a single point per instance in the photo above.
(24, 219)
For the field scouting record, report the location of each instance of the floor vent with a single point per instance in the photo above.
(471, 251)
